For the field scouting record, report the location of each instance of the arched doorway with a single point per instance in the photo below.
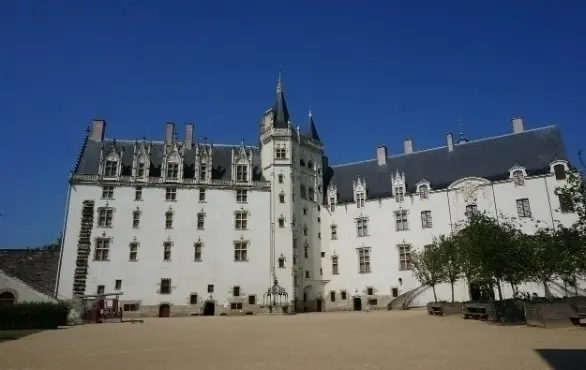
(357, 304)
(7, 298)
(209, 308)
(164, 310)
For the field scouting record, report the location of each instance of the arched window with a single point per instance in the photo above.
(6, 298)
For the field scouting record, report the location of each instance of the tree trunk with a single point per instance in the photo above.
(514, 287)
(498, 288)
(565, 288)
(546, 288)
(434, 295)
(452, 284)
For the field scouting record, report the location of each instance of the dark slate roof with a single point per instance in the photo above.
(311, 130)
(35, 267)
(280, 111)
(221, 159)
(489, 158)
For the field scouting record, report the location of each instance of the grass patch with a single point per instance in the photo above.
(6, 335)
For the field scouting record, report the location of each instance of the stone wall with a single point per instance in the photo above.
(35, 267)
(198, 310)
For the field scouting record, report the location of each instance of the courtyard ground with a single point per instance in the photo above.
(321, 341)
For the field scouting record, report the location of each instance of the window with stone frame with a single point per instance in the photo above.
(332, 204)
(559, 171)
(523, 208)
(518, 178)
(362, 227)
(203, 171)
(335, 265)
(111, 168)
(107, 192)
(426, 221)
(168, 220)
(399, 194)
(282, 198)
(202, 195)
(364, 260)
(241, 195)
(241, 251)
(471, 210)
(281, 152)
(167, 251)
(401, 220)
(101, 289)
(281, 262)
(242, 173)
(118, 284)
(172, 170)
(193, 298)
(305, 230)
(280, 178)
(140, 168)
(343, 295)
(138, 193)
(135, 219)
(198, 249)
(281, 221)
(360, 199)
(311, 193)
(201, 220)
(102, 249)
(105, 216)
(165, 287)
(171, 194)
(334, 232)
(307, 275)
(333, 296)
(133, 251)
(306, 250)
(210, 288)
(241, 220)
(404, 257)
(236, 291)
(423, 191)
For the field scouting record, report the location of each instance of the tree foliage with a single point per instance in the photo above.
(427, 267)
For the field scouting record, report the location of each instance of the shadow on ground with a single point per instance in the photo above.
(564, 359)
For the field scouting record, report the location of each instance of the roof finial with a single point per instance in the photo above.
(310, 114)
(462, 138)
(280, 81)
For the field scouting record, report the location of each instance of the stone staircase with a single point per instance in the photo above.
(403, 301)
(83, 248)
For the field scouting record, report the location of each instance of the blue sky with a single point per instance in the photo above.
(373, 72)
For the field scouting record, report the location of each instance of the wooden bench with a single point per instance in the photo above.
(437, 310)
(579, 316)
(476, 313)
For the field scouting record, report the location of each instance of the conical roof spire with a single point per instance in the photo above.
(311, 130)
(280, 109)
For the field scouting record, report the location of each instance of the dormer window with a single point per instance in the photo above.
(242, 173)
(332, 197)
(111, 168)
(518, 177)
(423, 192)
(399, 194)
(359, 192)
(360, 200)
(203, 171)
(173, 171)
(398, 180)
(140, 169)
(332, 204)
(560, 171)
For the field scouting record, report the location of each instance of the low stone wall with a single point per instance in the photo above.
(377, 302)
(549, 314)
(444, 308)
(197, 310)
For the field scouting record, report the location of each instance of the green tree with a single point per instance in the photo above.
(544, 259)
(573, 193)
(451, 259)
(427, 267)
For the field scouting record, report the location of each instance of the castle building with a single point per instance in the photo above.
(187, 227)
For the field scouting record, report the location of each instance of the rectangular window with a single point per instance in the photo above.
(200, 221)
(107, 192)
(165, 286)
(102, 250)
(241, 220)
(210, 288)
(101, 289)
(423, 192)
(203, 171)
(193, 299)
(118, 285)
(111, 169)
(369, 291)
(332, 205)
(307, 275)
(138, 193)
(560, 172)
(395, 292)
(523, 208)
(202, 195)
(251, 299)
(133, 251)
(360, 200)
(399, 194)
(236, 291)
(172, 171)
(167, 251)
(140, 169)
(333, 296)
(343, 295)
(335, 265)
(105, 216)
(518, 177)
(241, 196)
(171, 194)
(471, 210)
(135, 219)
(404, 257)
(281, 153)
(281, 178)
(131, 307)
(362, 227)
(426, 220)
(236, 306)
(168, 220)
(306, 250)
(242, 173)
(364, 260)
(197, 251)
(240, 251)
(401, 222)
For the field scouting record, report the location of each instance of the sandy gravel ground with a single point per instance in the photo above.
(320, 341)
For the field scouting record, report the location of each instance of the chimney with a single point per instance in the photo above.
(169, 133)
(98, 130)
(517, 125)
(188, 135)
(450, 139)
(408, 145)
(381, 155)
